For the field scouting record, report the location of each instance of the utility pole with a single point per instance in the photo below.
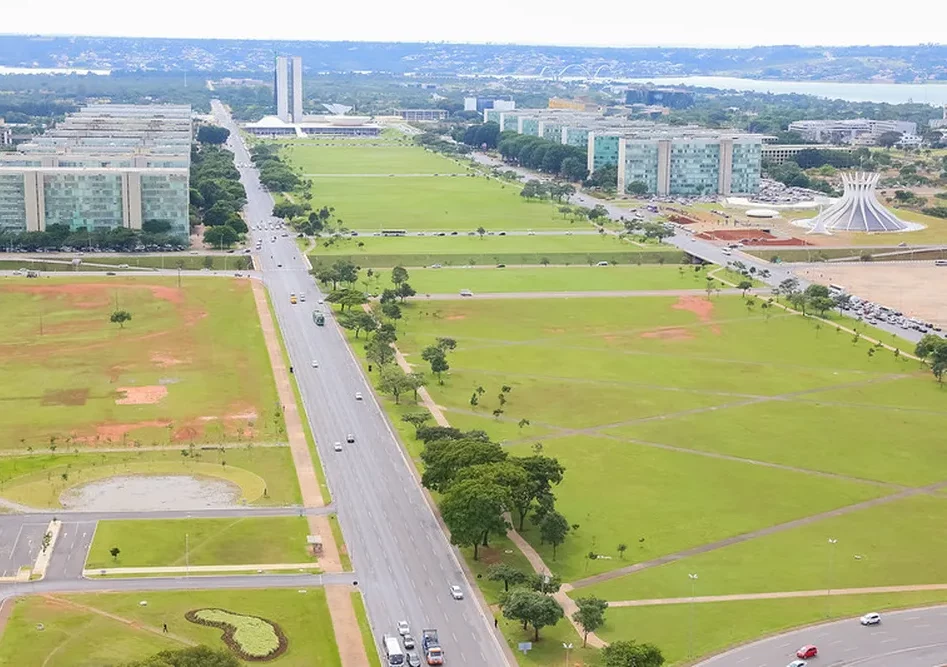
(690, 641)
(187, 561)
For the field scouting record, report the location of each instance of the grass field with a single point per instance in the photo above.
(549, 279)
(714, 627)
(40, 479)
(364, 159)
(159, 543)
(189, 367)
(371, 648)
(76, 632)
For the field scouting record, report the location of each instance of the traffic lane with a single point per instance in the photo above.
(20, 543)
(71, 549)
(847, 642)
(386, 508)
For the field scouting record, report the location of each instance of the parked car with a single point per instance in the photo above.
(797, 663)
(466, 292)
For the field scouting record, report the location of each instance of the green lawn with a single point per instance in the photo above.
(431, 203)
(158, 543)
(368, 639)
(715, 627)
(898, 543)
(74, 636)
(38, 481)
(364, 159)
(184, 361)
(549, 279)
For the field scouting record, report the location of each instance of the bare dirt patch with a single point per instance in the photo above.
(106, 433)
(917, 290)
(673, 333)
(164, 360)
(147, 395)
(66, 397)
(701, 307)
(452, 318)
(132, 493)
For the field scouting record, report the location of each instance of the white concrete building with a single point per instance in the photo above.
(288, 88)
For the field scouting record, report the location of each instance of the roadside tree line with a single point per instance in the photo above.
(216, 195)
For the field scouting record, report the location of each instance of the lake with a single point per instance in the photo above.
(893, 93)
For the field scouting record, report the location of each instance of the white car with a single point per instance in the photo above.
(797, 663)
(358, 396)
(466, 292)
(870, 619)
(350, 438)
(456, 592)
(337, 447)
(403, 628)
(320, 302)
(315, 364)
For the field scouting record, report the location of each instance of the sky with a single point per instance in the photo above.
(731, 23)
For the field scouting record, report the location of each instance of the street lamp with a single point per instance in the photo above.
(568, 648)
(828, 595)
(690, 641)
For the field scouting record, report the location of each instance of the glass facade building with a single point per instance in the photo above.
(91, 201)
(165, 197)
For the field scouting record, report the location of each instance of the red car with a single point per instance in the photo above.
(807, 651)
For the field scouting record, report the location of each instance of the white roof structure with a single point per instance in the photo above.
(858, 210)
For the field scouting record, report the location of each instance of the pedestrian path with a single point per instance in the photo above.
(197, 569)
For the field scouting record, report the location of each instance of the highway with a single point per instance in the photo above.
(404, 562)
(910, 638)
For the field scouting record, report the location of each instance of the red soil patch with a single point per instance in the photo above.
(96, 295)
(147, 395)
(186, 433)
(114, 432)
(456, 317)
(164, 360)
(751, 237)
(673, 333)
(702, 308)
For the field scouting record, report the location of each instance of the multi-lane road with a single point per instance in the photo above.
(404, 562)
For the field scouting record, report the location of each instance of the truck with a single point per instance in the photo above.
(318, 318)
(433, 652)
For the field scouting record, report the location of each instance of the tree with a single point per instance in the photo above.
(472, 509)
(357, 320)
(416, 381)
(115, 551)
(220, 237)
(391, 310)
(416, 419)
(446, 344)
(547, 584)
(212, 134)
(591, 615)
(622, 548)
(507, 574)
(553, 529)
(574, 169)
(404, 291)
(787, 287)
(379, 351)
(445, 459)
(631, 654)
(119, 317)
(194, 656)
(822, 303)
(481, 231)
(934, 350)
(393, 380)
(744, 285)
(435, 356)
(888, 139)
(637, 188)
(532, 608)
(399, 274)
(813, 291)
(346, 298)
(542, 472)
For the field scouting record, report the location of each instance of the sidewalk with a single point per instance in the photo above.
(780, 595)
(197, 569)
(344, 622)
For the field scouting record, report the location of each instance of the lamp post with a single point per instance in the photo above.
(690, 641)
(568, 648)
(828, 594)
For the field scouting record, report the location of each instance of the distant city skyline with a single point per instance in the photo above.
(737, 23)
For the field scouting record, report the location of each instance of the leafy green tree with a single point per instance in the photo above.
(507, 574)
(219, 214)
(543, 472)
(444, 459)
(379, 351)
(590, 616)
(744, 285)
(115, 551)
(631, 654)
(404, 291)
(532, 608)
(393, 380)
(391, 310)
(481, 232)
(574, 169)
(416, 419)
(436, 357)
(119, 317)
(346, 298)
(220, 237)
(553, 529)
(813, 291)
(473, 509)
(194, 656)
(547, 583)
(446, 344)
(399, 274)
(636, 188)
(212, 134)
(357, 320)
(821, 303)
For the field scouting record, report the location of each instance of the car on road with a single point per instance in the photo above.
(797, 663)
(408, 641)
(601, 264)
(320, 302)
(315, 364)
(466, 292)
(358, 396)
(108, 273)
(350, 438)
(807, 651)
(456, 592)
(501, 266)
(279, 265)
(337, 447)
(403, 628)
(435, 266)
(414, 660)
(870, 619)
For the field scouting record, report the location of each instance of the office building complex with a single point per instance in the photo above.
(779, 153)
(481, 103)
(104, 167)
(288, 89)
(858, 131)
(667, 160)
(423, 114)
(672, 98)
(858, 210)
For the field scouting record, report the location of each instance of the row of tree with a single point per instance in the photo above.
(275, 174)
(813, 297)
(217, 195)
(933, 349)
(551, 157)
(154, 235)
(534, 189)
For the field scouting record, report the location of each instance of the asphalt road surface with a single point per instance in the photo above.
(20, 544)
(404, 562)
(910, 638)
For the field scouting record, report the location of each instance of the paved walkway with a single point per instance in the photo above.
(198, 569)
(780, 595)
(39, 451)
(343, 614)
(570, 295)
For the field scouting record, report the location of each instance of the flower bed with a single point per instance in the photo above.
(250, 637)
